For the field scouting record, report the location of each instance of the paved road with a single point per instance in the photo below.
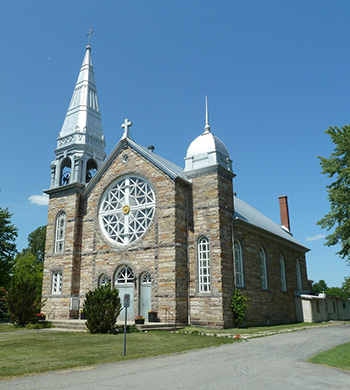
(275, 362)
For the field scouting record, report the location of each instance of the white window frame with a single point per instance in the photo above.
(60, 232)
(239, 272)
(298, 272)
(283, 273)
(263, 269)
(204, 285)
(103, 280)
(56, 282)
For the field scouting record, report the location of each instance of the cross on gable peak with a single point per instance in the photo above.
(126, 126)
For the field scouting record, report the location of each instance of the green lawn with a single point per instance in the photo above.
(338, 357)
(25, 353)
(9, 328)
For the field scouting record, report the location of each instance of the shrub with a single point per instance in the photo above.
(101, 308)
(23, 297)
(238, 306)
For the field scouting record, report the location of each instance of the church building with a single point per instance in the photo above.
(176, 239)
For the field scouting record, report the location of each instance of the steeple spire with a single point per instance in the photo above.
(80, 144)
(207, 127)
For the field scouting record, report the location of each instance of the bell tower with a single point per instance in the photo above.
(80, 144)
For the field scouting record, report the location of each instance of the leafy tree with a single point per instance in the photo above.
(336, 291)
(8, 234)
(36, 243)
(337, 167)
(346, 287)
(319, 287)
(239, 306)
(23, 296)
(101, 308)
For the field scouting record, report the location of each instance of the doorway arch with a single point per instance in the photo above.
(124, 282)
(145, 294)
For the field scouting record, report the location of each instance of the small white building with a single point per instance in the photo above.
(322, 307)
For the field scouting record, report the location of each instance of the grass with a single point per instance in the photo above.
(32, 352)
(338, 357)
(9, 328)
(242, 331)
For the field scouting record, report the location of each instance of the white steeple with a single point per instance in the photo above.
(80, 144)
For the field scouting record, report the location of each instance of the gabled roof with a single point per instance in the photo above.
(169, 168)
(247, 214)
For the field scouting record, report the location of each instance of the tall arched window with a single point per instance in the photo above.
(91, 169)
(239, 276)
(60, 232)
(263, 269)
(300, 287)
(203, 265)
(283, 274)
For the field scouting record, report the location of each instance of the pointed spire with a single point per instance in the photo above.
(83, 113)
(207, 127)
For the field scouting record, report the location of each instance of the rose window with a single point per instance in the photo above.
(127, 209)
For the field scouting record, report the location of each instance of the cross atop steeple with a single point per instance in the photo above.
(89, 35)
(126, 126)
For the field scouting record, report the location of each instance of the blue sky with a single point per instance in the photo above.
(276, 73)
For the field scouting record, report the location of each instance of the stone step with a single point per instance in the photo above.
(79, 325)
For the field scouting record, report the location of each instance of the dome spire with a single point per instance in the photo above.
(207, 127)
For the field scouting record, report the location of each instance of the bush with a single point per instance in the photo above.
(23, 297)
(238, 306)
(101, 308)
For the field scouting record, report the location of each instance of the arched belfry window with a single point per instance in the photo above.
(66, 168)
(239, 276)
(298, 271)
(60, 232)
(283, 274)
(203, 265)
(91, 169)
(263, 269)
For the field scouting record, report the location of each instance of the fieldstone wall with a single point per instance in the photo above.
(271, 306)
(211, 215)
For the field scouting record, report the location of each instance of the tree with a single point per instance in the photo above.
(346, 287)
(101, 308)
(36, 243)
(8, 234)
(319, 287)
(23, 296)
(337, 167)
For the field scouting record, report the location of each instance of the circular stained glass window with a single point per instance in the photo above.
(127, 209)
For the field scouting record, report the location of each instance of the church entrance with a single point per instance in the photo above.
(145, 294)
(124, 282)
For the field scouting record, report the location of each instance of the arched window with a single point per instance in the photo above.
(66, 168)
(103, 280)
(91, 169)
(124, 275)
(283, 274)
(263, 269)
(300, 287)
(60, 232)
(239, 276)
(203, 265)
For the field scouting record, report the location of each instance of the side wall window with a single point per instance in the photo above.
(60, 232)
(203, 265)
(239, 276)
(56, 282)
(263, 269)
(283, 274)
(297, 264)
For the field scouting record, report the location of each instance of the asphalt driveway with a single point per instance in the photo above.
(274, 362)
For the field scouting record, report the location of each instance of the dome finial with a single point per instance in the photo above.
(207, 127)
